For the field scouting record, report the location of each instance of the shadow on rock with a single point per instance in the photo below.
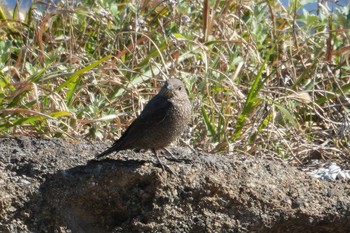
(98, 197)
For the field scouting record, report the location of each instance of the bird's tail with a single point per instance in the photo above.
(106, 152)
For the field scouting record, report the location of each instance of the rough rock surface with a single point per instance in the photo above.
(52, 185)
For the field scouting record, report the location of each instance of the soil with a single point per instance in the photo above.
(55, 185)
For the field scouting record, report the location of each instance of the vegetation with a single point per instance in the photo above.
(264, 79)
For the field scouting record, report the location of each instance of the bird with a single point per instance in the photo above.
(162, 120)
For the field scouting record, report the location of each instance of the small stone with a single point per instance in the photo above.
(334, 176)
(347, 174)
(334, 168)
(321, 171)
(342, 175)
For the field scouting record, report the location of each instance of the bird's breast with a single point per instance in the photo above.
(172, 125)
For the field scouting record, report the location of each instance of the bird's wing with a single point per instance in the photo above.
(154, 113)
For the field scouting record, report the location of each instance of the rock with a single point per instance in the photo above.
(53, 186)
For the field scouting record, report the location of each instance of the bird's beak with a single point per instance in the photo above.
(168, 91)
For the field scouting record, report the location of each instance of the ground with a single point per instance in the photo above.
(55, 185)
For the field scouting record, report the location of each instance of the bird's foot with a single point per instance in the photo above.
(174, 158)
(164, 166)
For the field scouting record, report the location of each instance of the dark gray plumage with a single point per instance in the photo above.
(163, 119)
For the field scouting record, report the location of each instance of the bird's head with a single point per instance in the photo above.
(173, 88)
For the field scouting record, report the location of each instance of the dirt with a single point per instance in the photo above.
(55, 185)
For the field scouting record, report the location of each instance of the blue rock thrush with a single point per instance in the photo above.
(162, 120)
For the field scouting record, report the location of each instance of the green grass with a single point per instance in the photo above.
(262, 79)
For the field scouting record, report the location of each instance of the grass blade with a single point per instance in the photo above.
(73, 81)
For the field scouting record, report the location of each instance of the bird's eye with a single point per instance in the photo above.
(179, 88)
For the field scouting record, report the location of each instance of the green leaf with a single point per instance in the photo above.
(59, 114)
(287, 115)
(252, 101)
(27, 120)
(73, 81)
(210, 127)
(262, 126)
(342, 90)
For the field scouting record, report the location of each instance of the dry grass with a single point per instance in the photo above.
(263, 79)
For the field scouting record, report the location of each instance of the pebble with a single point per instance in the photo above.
(25, 182)
(342, 175)
(330, 172)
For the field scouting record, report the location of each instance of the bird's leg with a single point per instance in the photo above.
(174, 158)
(161, 164)
(189, 146)
(169, 153)
(156, 154)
